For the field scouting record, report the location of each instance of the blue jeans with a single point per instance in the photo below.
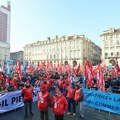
(28, 103)
(71, 104)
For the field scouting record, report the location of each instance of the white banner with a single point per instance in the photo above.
(12, 100)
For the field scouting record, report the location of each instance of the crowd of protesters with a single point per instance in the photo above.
(60, 87)
(56, 91)
(98, 78)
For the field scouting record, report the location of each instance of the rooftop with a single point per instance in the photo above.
(111, 31)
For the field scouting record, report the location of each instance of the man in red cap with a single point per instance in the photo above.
(2, 82)
(13, 83)
(43, 102)
(60, 105)
(27, 93)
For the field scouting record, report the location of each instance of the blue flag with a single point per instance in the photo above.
(8, 69)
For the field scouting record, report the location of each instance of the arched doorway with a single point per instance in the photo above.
(112, 62)
(74, 63)
(66, 62)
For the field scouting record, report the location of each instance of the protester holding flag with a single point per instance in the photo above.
(13, 83)
(88, 73)
(2, 82)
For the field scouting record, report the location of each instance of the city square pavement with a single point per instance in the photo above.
(90, 113)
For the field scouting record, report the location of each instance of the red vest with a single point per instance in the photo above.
(43, 101)
(77, 95)
(60, 105)
(71, 93)
(27, 93)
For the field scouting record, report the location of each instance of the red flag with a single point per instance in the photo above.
(7, 81)
(41, 65)
(89, 74)
(63, 68)
(78, 69)
(73, 70)
(101, 80)
(117, 66)
(30, 69)
(112, 72)
(18, 66)
(58, 65)
(100, 77)
(47, 65)
(37, 66)
(60, 68)
(3, 69)
(68, 69)
(20, 75)
(98, 73)
(54, 67)
(18, 69)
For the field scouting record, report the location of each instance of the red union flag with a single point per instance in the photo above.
(78, 69)
(18, 66)
(3, 69)
(18, 69)
(117, 66)
(60, 68)
(100, 77)
(98, 73)
(68, 69)
(88, 74)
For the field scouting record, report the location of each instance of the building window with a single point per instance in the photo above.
(117, 42)
(106, 43)
(112, 42)
(117, 53)
(111, 53)
(112, 48)
(106, 54)
(116, 36)
(111, 36)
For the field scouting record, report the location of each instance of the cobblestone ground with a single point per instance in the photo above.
(90, 113)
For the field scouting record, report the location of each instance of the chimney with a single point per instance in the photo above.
(48, 38)
(8, 5)
(56, 37)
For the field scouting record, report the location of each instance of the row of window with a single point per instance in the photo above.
(112, 36)
(117, 53)
(112, 42)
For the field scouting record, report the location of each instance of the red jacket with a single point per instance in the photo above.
(43, 101)
(71, 92)
(14, 84)
(45, 86)
(49, 82)
(60, 105)
(60, 83)
(27, 93)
